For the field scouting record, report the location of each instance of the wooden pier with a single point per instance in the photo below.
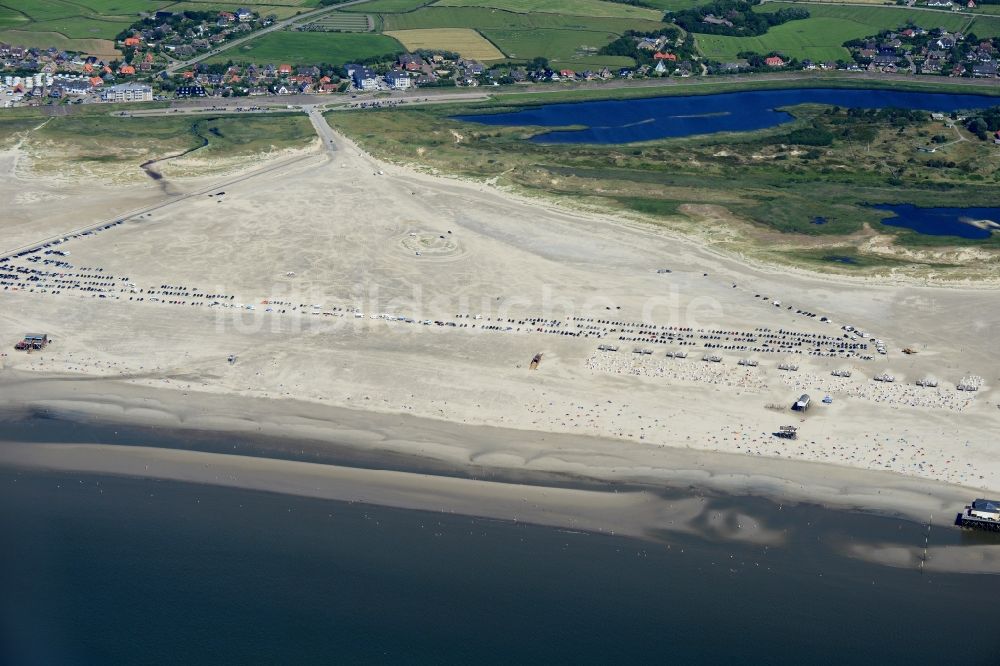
(965, 521)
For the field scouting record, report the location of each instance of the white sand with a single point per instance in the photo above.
(338, 235)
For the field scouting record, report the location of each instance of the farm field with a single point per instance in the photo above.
(255, 5)
(279, 10)
(308, 48)
(820, 37)
(986, 26)
(875, 19)
(342, 21)
(88, 26)
(388, 6)
(814, 38)
(570, 7)
(565, 49)
(468, 43)
(480, 18)
(10, 18)
(673, 5)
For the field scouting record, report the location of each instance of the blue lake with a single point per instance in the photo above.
(629, 121)
(940, 221)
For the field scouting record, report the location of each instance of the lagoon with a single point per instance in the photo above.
(943, 221)
(648, 119)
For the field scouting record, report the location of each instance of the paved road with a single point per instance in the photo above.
(483, 93)
(279, 25)
(322, 128)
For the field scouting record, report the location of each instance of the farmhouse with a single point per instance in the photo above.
(774, 61)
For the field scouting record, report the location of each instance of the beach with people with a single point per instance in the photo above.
(453, 321)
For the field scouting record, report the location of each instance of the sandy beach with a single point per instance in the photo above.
(342, 299)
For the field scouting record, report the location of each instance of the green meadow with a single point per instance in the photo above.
(564, 49)
(570, 7)
(307, 48)
(821, 36)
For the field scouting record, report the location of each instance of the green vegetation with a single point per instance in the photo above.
(341, 21)
(735, 18)
(309, 48)
(821, 36)
(67, 25)
(94, 142)
(986, 26)
(570, 7)
(479, 18)
(828, 164)
(673, 5)
(388, 6)
(845, 258)
(709, 86)
(818, 39)
(875, 18)
(562, 48)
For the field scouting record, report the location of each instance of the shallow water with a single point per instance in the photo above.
(941, 221)
(98, 569)
(647, 119)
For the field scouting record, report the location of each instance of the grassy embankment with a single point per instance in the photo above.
(713, 85)
(95, 143)
(753, 191)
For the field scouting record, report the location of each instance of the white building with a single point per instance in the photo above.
(127, 92)
(398, 80)
(983, 508)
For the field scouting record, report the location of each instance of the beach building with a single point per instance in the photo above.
(398, 80)
(802, 404)
(984, 508)
(127, 92)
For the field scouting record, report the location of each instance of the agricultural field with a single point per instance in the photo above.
(480, 18)
(86, 26)
(564, 49)
(569, 7)
(814, 38)
(279, 10)
(389, 6)
(986, 26)
(874, 19)
(673, 5)
(468, 43)
(343, 22)
(309, 48)
(820, 37)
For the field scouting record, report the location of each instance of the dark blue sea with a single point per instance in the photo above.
(105, 570)
(940, 221)
(647, 119)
